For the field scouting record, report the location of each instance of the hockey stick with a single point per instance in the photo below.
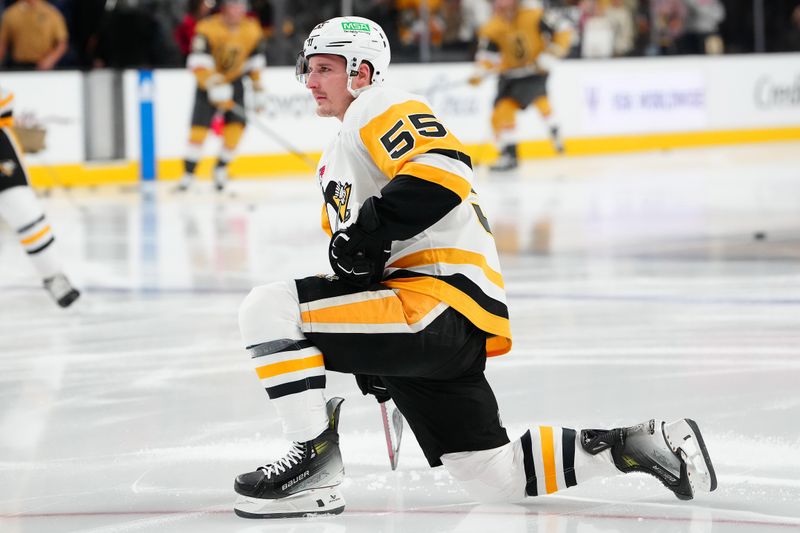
(255, 119)
(393, 430)
(439, 87)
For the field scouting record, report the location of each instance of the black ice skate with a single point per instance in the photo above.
(558, 143)
(220, 178)
(61, 290)
(507, 160)
(672, 452)
(184, 184)
(303, 483)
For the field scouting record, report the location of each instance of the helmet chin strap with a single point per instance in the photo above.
(356, 92)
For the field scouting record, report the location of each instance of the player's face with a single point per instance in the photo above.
(327, 81)
(505, 7)
(234, 12)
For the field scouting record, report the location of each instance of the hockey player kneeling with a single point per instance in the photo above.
(417, 303)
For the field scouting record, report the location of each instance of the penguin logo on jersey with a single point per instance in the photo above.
(7, 168)
(337, 195)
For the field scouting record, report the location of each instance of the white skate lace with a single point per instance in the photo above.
(292, 458)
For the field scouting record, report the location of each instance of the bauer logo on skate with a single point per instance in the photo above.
(296, 480)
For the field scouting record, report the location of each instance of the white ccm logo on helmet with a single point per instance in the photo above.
(356, 39)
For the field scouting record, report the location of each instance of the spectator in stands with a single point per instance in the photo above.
(35, 33)
(701, 29)
(621, 16)
(474, 14)
(87, 15)
(792, 39)
(132, 37)
(412, 24)
(670, 18)
(184, 32)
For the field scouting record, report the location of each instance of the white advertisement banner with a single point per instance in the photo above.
(758, 92)
(655, 101)
(48, 112)
(657, 95)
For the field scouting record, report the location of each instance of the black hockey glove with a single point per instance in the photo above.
(372, 385)
(358, 253)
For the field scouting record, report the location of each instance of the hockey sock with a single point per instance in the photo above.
(22, 210)
(555, 460)
(291, 369)
(193, 154)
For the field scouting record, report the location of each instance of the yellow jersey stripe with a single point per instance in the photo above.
(452, 256)
(398, 307)
(276, 369)
(548, 458)
(416, 306)
(446, 179)
(465, 305)
(36, 236)
(378, 311)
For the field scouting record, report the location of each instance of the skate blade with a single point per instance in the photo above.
(685, 439)
(393, 430)
(307, 503)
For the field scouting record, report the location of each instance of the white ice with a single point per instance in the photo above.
(637, 288)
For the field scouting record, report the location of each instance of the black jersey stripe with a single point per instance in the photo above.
(7, 114)
(409, 205)
(293, 387)
(42, 247)
(25, 228)
(527, 461)
(568, 455)
(465, 285)
(452, 154)
(278, 346)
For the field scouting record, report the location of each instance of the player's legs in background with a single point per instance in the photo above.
(202, 115)
(231, 135)
(194, 151)
(542, 103)
(504, 125)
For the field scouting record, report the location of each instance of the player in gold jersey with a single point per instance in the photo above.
(227, 47)
(415, 305)
(521, 45)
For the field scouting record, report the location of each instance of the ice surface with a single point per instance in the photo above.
(636, 289)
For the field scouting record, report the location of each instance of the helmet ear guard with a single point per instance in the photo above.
(357, 40)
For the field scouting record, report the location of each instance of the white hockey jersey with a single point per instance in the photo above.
(387, 133)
